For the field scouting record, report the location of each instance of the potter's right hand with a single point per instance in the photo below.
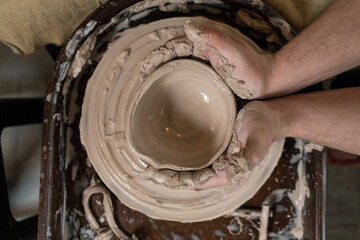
(261, 125)
(247, 70)
(258, 125)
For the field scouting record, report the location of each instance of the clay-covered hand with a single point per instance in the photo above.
(244, 69)
(258, 125)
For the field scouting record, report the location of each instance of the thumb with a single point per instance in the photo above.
(207, 38)
(256, 148)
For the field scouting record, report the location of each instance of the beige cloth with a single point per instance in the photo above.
(28, 25)
(300, 13)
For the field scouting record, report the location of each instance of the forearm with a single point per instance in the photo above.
(330, 118)
(326, 48)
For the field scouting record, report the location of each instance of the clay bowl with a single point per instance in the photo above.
(115, 105)
(183, 116)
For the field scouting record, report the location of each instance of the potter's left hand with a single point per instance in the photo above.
(258, 125)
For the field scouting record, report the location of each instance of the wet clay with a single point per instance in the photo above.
(170, 134)
(104, 126)
(297, 197)
(113, 229)
(174, 48)
(309, 147)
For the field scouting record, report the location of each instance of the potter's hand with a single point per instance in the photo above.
(258, 125)
(244, 69)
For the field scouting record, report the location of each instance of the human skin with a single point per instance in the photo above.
(331, 118)
(328, 47)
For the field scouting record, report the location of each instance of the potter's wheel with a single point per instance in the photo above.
(105, 112)
(104, 116)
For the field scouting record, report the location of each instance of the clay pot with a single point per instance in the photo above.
(183, 116)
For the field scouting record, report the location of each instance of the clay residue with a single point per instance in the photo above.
(175, 48)
(297, 197)
(259, 28)
(169, 178)
(224, 68)
(283, 26)
(235, 227)
(179, 180)
(275, 196)
(264, 219)
(203, 175)
(175, 6)
(309, 147)
(258, 4)
(254, 21)
(186, 179)
(195, 33)
(235, 164)
(82, 56)
(113, 229)
(165, 33)
(233, 161)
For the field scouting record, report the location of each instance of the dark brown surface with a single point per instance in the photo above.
(60, 197)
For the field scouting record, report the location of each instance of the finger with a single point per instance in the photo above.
(208, 37)
(242, 128)
(256, 148)
(219, 40)
(218, 180)
(224, 45)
